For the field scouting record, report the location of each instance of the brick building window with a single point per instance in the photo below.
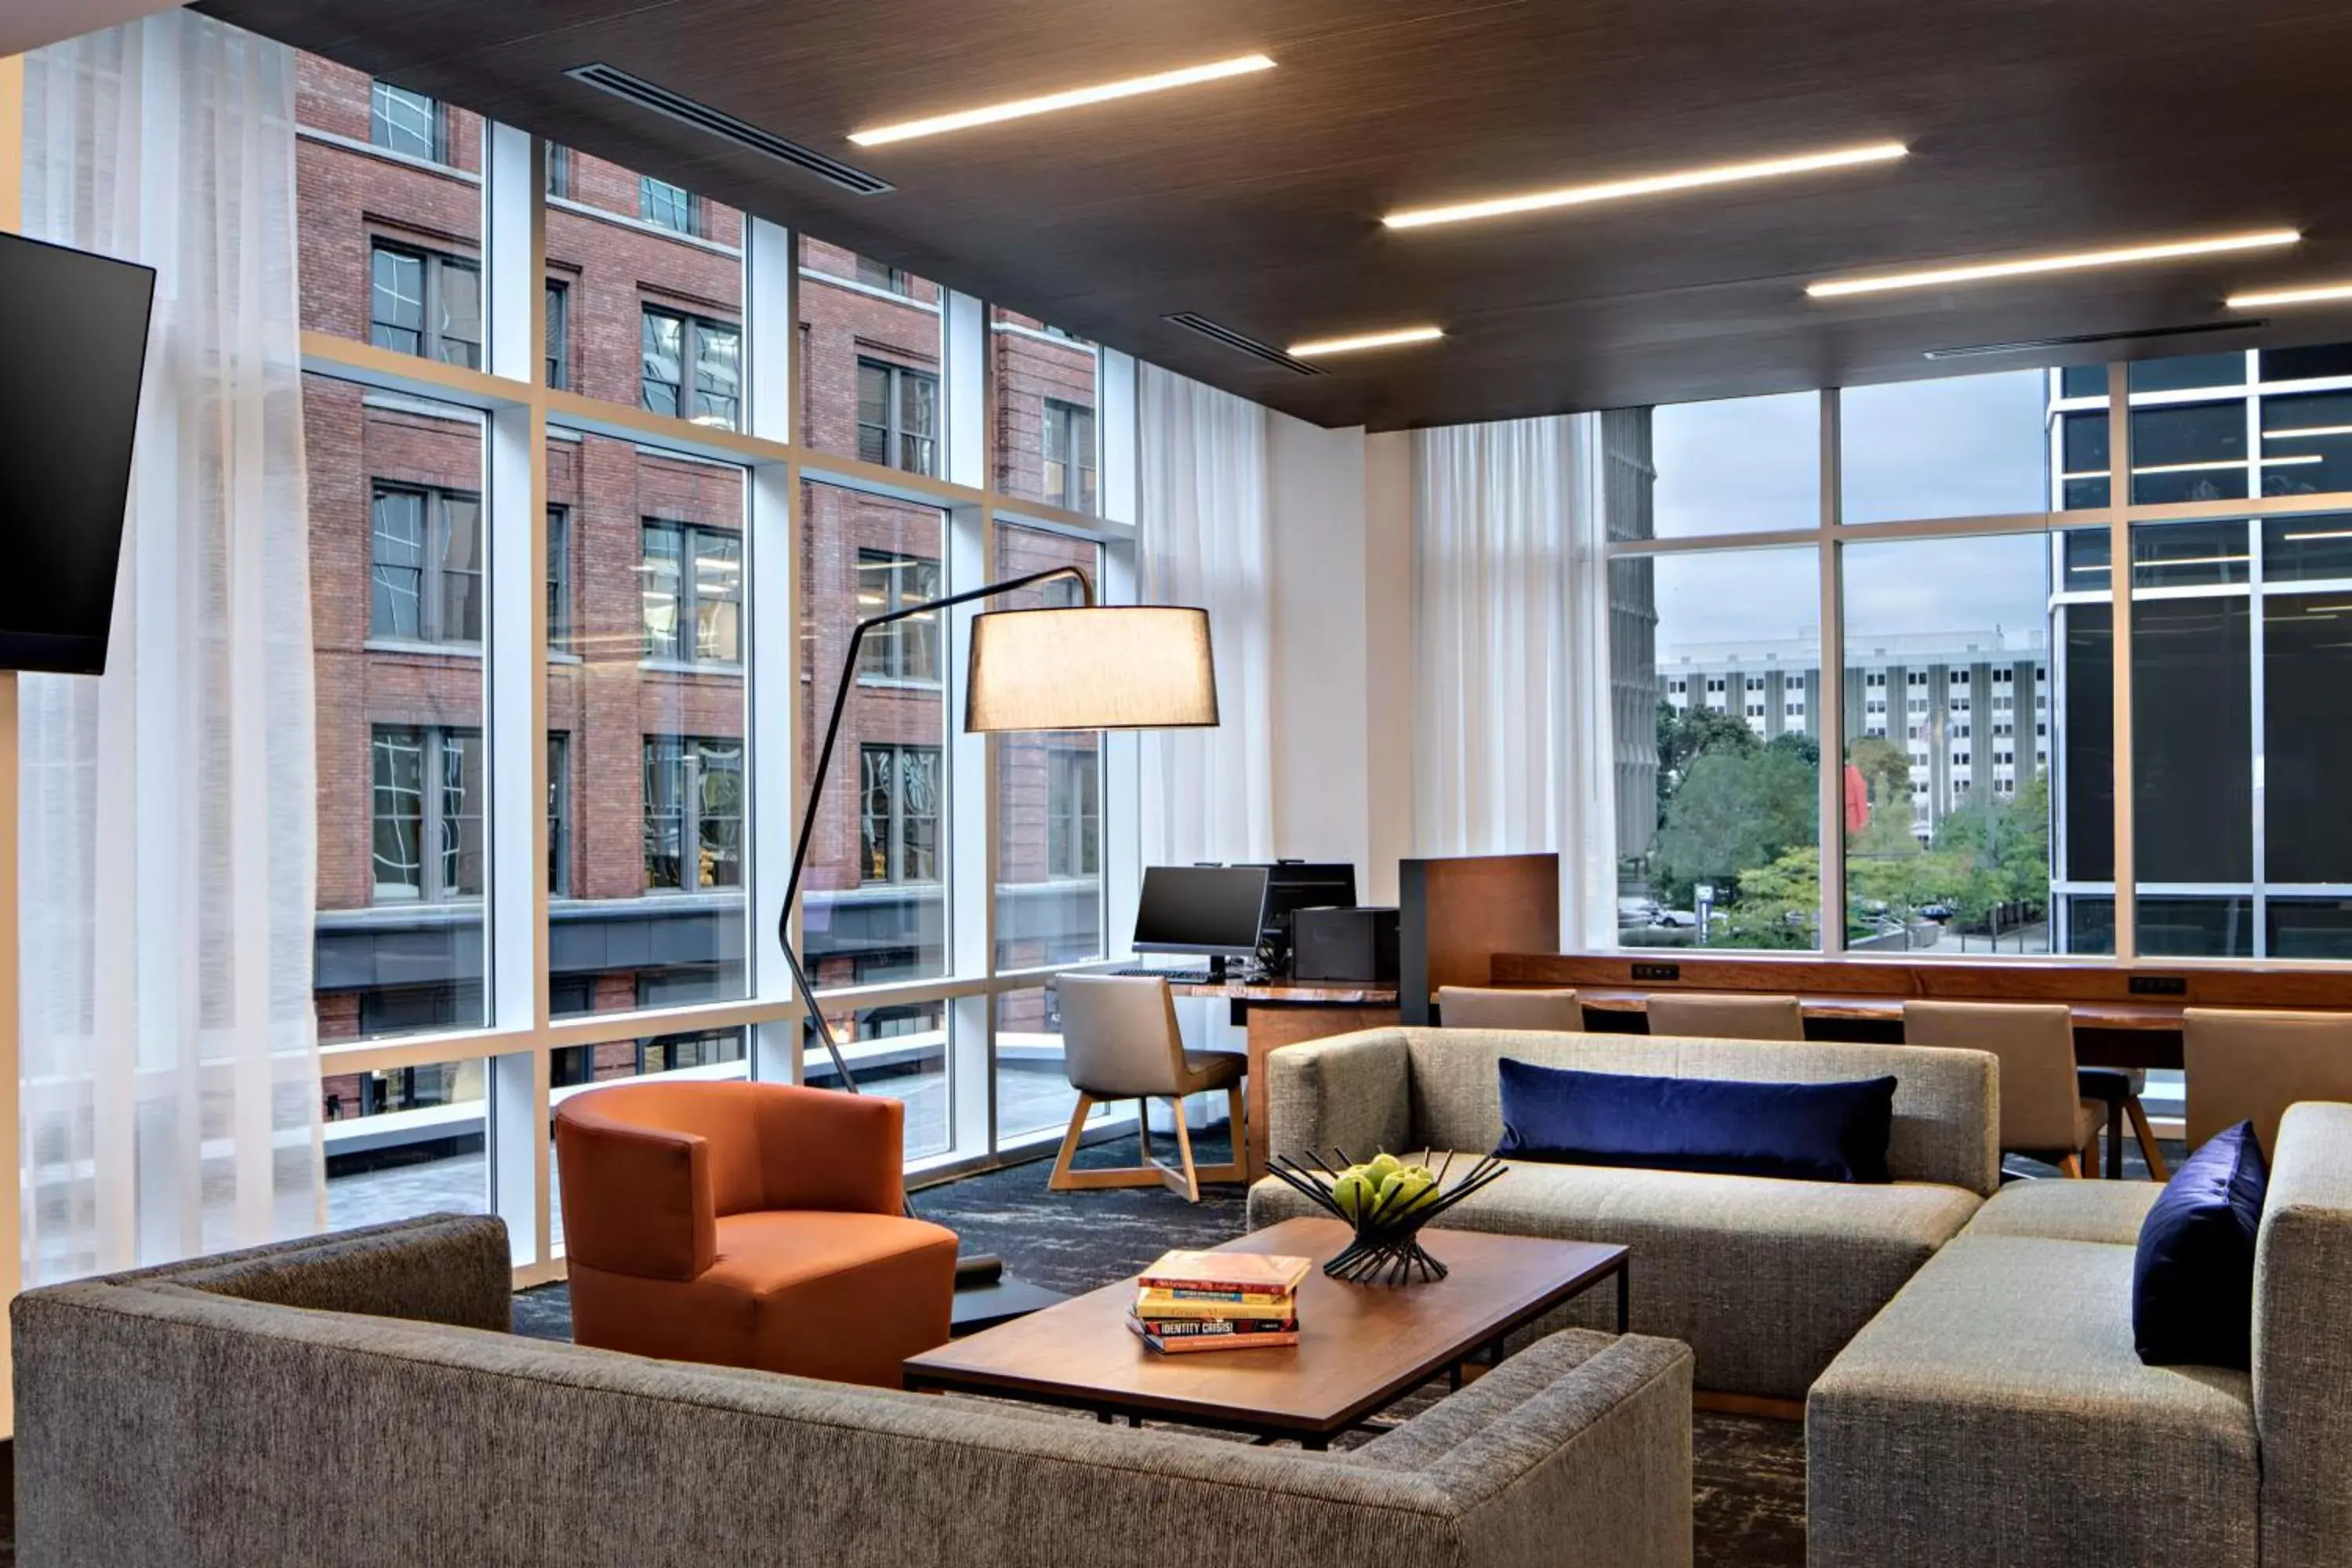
(898, 814)
(558, 578)
(882, 275)
(559, 814)
(559, 170)
(1073, 812)
(906, 650)
(426, 577)
(897, 416)
(668, 1053)
(1069, 456)
(428, 801)
(694, 813)
(668, 206)
(424, 303)
(409, 123)
(559, 334)
(676, 342)
(693, 592)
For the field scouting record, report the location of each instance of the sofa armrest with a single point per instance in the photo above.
(636, 1200)
(1350, 1091)
(447, 1269)
(1606, 1443)
(822, 1149)
(2303, 1356)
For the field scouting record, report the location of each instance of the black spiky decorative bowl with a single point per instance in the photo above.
(1387, 1248)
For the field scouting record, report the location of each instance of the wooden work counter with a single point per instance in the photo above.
(2126, 1015)
(1277, 1013)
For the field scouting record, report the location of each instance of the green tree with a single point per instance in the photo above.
(1779, 904)
(1886, 769)
(2007, 841)
(1684, 737)
(1737, 810)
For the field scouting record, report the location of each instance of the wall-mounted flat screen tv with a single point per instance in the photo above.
(73, 344)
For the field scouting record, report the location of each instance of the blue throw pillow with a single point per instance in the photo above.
(1808, 1131)
(2193, 1276)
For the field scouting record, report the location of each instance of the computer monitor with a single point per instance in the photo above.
(1295, 885)
(1215, 909)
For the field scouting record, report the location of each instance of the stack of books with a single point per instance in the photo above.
(1218, 1302)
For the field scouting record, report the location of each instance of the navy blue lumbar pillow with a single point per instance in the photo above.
(1809, 1132)
(2193, 1276)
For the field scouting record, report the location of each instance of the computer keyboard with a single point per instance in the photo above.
(1173, 976)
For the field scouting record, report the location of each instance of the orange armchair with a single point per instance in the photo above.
(749, 1225)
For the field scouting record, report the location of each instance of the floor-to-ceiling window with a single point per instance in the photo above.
(1879, 688)
(590, 533)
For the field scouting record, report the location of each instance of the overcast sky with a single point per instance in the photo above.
(1963, 447)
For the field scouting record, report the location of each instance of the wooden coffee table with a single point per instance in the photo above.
(1362, 1346)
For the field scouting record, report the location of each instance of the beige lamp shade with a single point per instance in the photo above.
(1113, 666)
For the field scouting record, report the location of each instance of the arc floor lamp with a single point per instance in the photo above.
(1075, 668)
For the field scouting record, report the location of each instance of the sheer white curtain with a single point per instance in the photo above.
(1208, 794)
(1511, 741)
(170, 1054)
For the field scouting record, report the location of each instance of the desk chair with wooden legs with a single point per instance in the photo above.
(2044, 1115)
(1490, 1007)
(1709, 1016)
(1119, 1041)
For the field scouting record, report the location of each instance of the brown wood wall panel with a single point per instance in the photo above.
(1455, 914)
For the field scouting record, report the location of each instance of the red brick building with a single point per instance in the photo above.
(646, 605)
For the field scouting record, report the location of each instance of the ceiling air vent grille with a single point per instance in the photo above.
(710, 122)
(1192, 322)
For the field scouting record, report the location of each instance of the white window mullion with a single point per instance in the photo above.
(772, 598)
(2119, 586)
(964, 391)
(1122, 752)
(971, 842)
(514, 526)
(1832, 696)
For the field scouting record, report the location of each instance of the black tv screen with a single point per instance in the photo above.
(75, 327)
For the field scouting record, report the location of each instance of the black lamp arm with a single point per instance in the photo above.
(824, 765)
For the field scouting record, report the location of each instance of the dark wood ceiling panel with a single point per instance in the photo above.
(2035, 125)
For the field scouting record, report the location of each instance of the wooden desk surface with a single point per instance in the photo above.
(1361, 1346)
(2157, 1017)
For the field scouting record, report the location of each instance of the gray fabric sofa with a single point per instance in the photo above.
(352, 1400)
(1766, 1280)
(1996, 1413)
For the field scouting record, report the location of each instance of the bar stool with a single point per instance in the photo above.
(2044, 1115)
(2119, 1089)
(1495, 1008)
(1703, 1016)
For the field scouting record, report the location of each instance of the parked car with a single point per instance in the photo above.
(1937, 912)
(1683, 918)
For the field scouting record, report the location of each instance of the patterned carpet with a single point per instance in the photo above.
(1749, 1496)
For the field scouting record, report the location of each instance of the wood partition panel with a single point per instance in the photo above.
(1457, 914)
